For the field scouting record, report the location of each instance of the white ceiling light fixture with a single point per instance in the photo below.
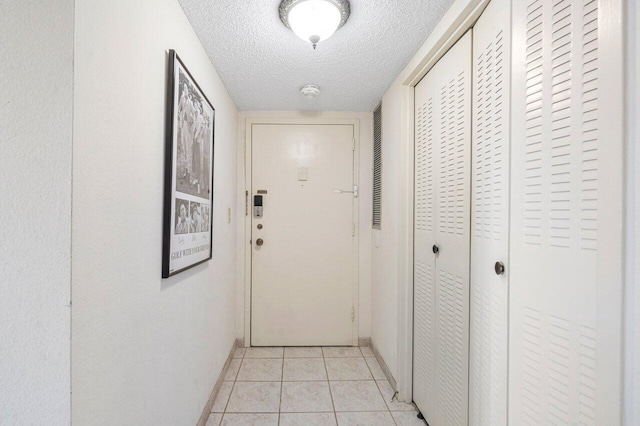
(310, 91)
(314, 20)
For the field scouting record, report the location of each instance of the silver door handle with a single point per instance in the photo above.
(344, 191)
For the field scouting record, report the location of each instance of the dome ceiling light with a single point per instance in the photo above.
(314, 20)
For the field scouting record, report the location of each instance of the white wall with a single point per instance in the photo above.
(146, 351)
(366, 176)
(392, 282)
(632, 289)
(35, 218)
(384, 256)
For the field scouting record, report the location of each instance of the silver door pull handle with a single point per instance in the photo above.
(344, 191)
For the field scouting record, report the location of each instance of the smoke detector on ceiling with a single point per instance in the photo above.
(310, 91)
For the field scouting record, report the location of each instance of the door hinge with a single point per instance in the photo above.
(353, 314)
(353, 144)
(355, 191)
(246, 203)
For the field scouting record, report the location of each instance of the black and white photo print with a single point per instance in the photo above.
(182, 217)
(188, 230)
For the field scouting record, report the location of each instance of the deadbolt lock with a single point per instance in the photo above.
(259, 226)
(259, 242)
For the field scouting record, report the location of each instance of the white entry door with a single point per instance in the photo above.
(441, 238)
(304, 245)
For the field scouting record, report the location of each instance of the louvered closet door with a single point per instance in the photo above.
(424, 322)
(565, 301)
(490, 216)
(442, 219)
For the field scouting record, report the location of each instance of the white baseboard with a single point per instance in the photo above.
(383, 364)
(216, 388)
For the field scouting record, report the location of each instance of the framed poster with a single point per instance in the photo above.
(188, 196)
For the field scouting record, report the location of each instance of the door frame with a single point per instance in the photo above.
(461, 16)
(248, 252)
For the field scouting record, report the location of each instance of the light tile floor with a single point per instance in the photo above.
(308, 387)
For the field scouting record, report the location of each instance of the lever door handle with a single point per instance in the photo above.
(344, 191)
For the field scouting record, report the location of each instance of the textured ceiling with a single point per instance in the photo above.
(264, 64)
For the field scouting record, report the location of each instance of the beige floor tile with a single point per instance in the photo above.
(222, 398)
(304, 369)
(341, 352)
(348, 369)
(239, 352)
(301, 352)
(255, 397)
(264, 353)
(232, 372)
(387, 394)
(407, 418)
(307, 419)
(375, 368)
(260, 370)
(214, 419)
(250, 420)
(306, 397)
(382, 418)
(357, 396)
(366, 351)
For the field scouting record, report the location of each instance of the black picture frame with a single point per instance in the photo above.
(187, 239)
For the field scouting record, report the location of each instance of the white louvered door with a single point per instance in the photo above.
(442, 219)
(424, 336)
(490, 216)
(565, 301)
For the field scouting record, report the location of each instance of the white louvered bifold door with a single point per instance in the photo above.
(565, 295)
(442, 219)
(490, 216)
(424, 337)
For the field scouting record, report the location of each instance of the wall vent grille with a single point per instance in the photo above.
(377, 167)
